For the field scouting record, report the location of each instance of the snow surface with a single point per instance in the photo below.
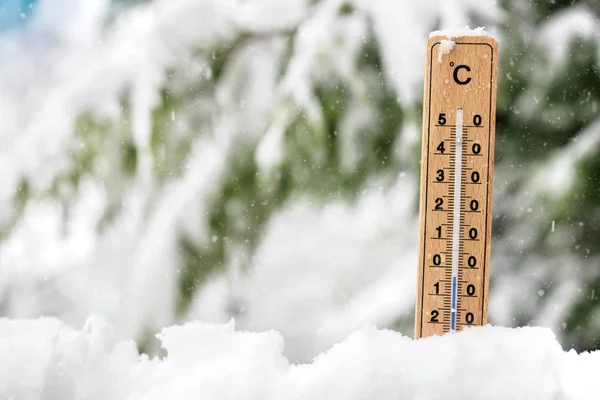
(44, 359)
(458, 32)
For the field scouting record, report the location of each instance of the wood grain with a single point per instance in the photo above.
(464, 78)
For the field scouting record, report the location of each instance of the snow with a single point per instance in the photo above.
(557, 33)
(413, 21)
(322, 267)
(446, 47)
(323, 296)
(559, 173)
(458, 32)
(132, 262)
(46, 359)
(64, 64)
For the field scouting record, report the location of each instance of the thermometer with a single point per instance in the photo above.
(457, 166)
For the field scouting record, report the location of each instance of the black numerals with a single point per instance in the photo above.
(442, 119)
(472, 261)
(469, 174)
(440, 175)
(441, 148)
(474, 205)
(471, 290)
(473, 233)
(470, 318)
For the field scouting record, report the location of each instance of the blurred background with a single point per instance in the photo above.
(170, 160)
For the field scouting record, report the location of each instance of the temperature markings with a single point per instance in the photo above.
(456, 186)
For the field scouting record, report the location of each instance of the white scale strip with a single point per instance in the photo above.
(456, 213)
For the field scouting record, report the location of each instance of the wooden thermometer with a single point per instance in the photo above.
(457, 165)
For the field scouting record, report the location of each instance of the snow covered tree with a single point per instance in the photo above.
(160, 176)
(547, 202)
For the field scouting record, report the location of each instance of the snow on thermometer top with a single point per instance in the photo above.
(459, 118)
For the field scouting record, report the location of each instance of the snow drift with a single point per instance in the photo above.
(44, 359)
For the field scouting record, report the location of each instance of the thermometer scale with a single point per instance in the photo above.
(457, 164)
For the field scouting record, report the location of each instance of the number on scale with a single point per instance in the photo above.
(442, 119)
(471, 290)
(437, 259)
(440, 175)
(472, 261)
(438, 203)
(474, 205)
(437, 287)
(441, 147)
(434, 316)
(473, 233)
(469, 318)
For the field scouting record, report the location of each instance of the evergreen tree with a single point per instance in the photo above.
(244, 118)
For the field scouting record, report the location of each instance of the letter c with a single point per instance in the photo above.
(455, 75)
